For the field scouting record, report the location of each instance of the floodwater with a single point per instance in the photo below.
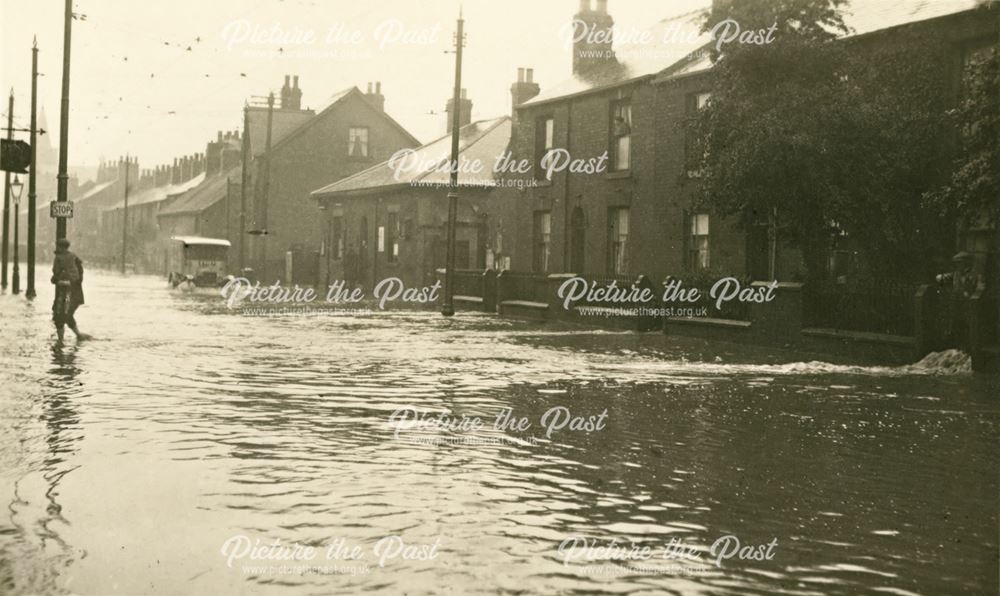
(135, 462)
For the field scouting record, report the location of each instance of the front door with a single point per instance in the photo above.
(578, 241)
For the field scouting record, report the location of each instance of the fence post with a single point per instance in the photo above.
(490, 291)
(556, 310)
(648, 322)
(503, 290)
(924, 330)
(977, 324)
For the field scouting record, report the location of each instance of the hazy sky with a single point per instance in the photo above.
(138, 88)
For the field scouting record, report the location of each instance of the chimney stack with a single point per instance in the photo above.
(524, 89)
(593, 48)
(286, 94)
(465, 111)
(292, 100)
(376, 98)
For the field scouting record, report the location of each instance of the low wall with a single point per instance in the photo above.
(779, 323)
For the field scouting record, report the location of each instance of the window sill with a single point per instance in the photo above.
(618, 175)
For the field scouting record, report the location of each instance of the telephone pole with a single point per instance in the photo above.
(128, 168)
(229, 196)
(448, 307)
(30, 293)
(6, 190)
(266, 188)
(63, 177)
(242, 232)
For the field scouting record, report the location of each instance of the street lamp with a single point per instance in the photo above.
(16, 188)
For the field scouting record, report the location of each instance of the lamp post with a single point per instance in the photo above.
(16, 188)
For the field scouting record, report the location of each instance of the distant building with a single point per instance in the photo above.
(307, 150)
(147, 195)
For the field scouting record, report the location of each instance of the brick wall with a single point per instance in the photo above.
(422, 215)
(312, 159)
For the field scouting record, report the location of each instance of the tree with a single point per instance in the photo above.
(827, 133)
(973, 191)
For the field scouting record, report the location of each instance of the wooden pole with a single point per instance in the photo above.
(448, 308)
(32, 194)
(6, 191)
(63, 177)
(128, 167)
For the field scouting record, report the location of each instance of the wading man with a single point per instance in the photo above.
(67, 275)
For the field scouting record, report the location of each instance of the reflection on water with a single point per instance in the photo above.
(129, 461)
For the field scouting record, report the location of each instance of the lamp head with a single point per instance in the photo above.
(16, 188)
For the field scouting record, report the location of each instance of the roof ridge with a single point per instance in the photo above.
(498, 119)
(496, 122)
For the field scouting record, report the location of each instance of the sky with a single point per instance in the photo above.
(158, 78)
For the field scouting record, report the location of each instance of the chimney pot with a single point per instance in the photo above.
(296, 79)
(378, 87)
(369, 88)
(531, 75)
(584, 5)
(520, 75)
(602, 6)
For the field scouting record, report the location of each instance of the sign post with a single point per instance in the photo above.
(61, 210)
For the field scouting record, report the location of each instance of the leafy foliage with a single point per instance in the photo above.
(973, 192)
(846, 134)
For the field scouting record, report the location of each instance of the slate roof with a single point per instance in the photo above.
(334, 100)
(158, 193)
(283, 123)
(204, 195)
(481, 142)
(679, 39)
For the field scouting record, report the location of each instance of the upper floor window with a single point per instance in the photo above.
(700, 101)
(621, 135)
(618, 241)
(357, 142)
(696, 102)
(545, 133)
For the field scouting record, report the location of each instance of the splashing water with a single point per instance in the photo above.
(948, 362)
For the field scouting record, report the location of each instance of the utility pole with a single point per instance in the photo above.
(448, 308)
(30, 293)
(266, 188)
(63, 177)
(128, 168)
(6, 190)
(229, 187)
(243, 187)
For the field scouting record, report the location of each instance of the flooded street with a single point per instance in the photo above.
(132, 463)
